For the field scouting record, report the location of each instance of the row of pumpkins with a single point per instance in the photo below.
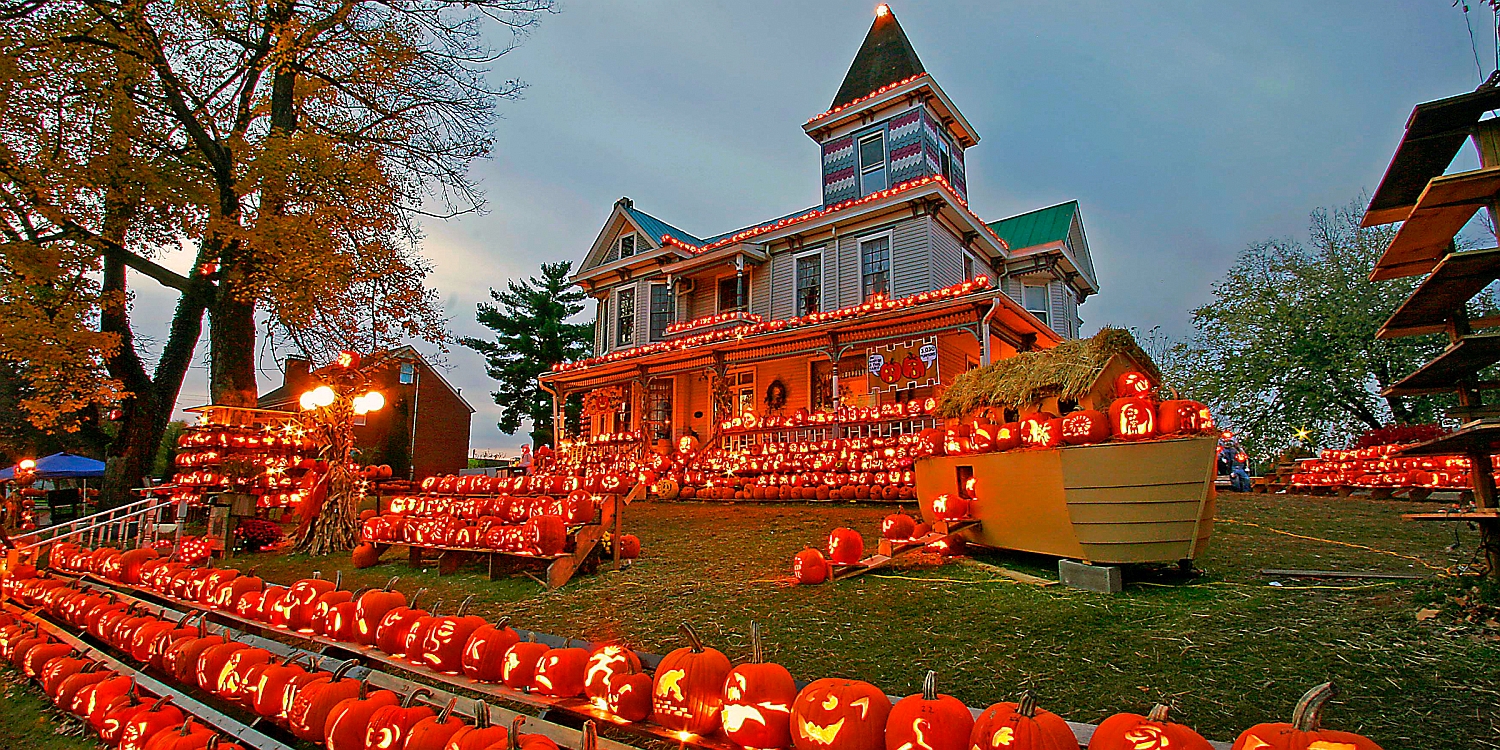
(846, 546)
(533, 526)
(695, 690)
(316, 705)
(530, 484)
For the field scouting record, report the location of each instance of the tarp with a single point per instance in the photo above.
(61, 466)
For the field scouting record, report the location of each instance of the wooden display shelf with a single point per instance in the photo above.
(1483, 437)
(1455, 281)
(1465, 515)
(1446, 205)
(889, 550)
(1460, 362)
(1434, 133)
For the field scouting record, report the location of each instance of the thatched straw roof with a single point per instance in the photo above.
(1067, 371)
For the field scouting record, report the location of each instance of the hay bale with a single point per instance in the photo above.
(1066, 371)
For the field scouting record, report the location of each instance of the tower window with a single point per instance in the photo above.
(1034, 299)
(661, 310)
(872, 163)
(408, 373)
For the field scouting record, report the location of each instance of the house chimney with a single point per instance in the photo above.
(298, 373)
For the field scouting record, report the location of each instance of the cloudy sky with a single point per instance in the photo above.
(1185, 129)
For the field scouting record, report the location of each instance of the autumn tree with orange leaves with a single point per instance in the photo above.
(291, 145)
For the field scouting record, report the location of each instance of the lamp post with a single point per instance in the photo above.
(330, 409)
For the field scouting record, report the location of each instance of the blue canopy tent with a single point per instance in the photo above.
(61, 466)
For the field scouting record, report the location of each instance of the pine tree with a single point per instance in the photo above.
(532, 333)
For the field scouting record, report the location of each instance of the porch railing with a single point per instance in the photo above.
(133, 525)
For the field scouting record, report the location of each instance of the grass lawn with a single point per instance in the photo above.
(1225, 649)
(29, 722)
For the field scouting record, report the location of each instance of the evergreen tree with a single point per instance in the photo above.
(532, 333)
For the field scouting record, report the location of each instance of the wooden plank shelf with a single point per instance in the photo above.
(889, 550)
(1460, 362)
(1483, 438)
(1434, 133)
(1463, 515)
(1446, 205)
(1455, 281)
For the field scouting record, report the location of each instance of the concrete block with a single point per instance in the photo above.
(1105, 579)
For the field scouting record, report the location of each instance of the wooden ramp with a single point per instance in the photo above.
(889, 550)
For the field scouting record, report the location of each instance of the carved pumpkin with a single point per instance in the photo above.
(37, 657)
(484, 654)
(313, 703)
(630, 696)
(758, 701)
(160, 717)
(605, 662)
(345, 727)
(371, 608)
(1021, 726)
(108, 712)
(928, 721)
(480, 736)
(845, 546)
(273, 684)
(299, 604)
(688, 690)
(1132, 418)
(390, 726)
(809, 567)
(340, 623)
(561, 672)
(1305, 731)
(546, 535)
(226, 598)
(1085, 427)
(433, 732)
(898, 526)
(240, 674)
(181, 659)
(391, 632)
(1041, 430)
(443, 644)
(73, 686)
(1130, 384)
(211, 664)
(630, 546)
(57, 670)
(1126, 731)
(189, 735)
(519, 667)
(836, 714)
(1183, 415)
(948, 507)
(417, 633)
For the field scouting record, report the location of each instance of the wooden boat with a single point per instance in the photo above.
(1111, 503)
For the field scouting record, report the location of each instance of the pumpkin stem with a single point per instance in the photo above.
(1026, 706)
(414, 598)
(463, 605)
(162, 701)
(515, 732)
(1158, 713)
(406, 702)
(1308, 715)
(757, 655)
(502, 623)
(338, 579)
(317, 575)
(344, 669)
(295, 655)
(693, 640)
(590, 737)
(435, 607)
(358, 593)
(442, 717)
(929, 686)
(481, 715)
(390, 583)
(213, 743)
(187, 725)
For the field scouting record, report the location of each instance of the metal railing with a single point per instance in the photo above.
(134, 523)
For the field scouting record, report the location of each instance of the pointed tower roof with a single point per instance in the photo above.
(885, 58)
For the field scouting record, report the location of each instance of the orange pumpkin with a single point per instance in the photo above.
(630, 696)
(1126, 731)
(561, 672)
(393, 628)
(1041, 430)
(928, 720)
(159, 717)
(688, 690)
(390, 726)
(1132, 418)
(1021, 726)
(1130, 384)
(758, 701)
(519, 667)
(845, 546)
(604, 663)
(809, 567)
(314, 702)
(1305, 731)
(947, 507)
(1085, 427)
(372, 607)
(443, 643)
(484, 654)
(1183, 416)
(480, 736)
(346, 723)
(898, 526)
(433, 732)
(836, 714)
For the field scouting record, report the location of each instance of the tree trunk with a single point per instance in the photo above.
(231, 336)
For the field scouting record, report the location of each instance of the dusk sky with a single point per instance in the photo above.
(1186, 131)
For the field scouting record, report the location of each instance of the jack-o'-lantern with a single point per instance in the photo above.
(845, 546)
(689, 687)
(897, 526)
(528, 741)
(809, 567)
(561, 672)
(518, 669)
(1125, 731)
(1021, 726)
(371, 607)
(189, 735)
(629, 696)
(1132, 418)
(1131, 384)
(275, 682)
(758, 701)
(346, 723)
(1085, 427)
(72, 692)
(443, 644)
(481, 735)
(391, 633)
(1183, 415)
(1007, 436)
(837, 714)
(434, 732)
(605, 662)
(946, 507)
(484, 654)
(211, 664)
(389, 726)
(159, 717)
(928, 721)
(1305, 731)
(309, 711)
(982, 436)
(1041, 430)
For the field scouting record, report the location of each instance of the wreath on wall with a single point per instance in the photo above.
(776, 394)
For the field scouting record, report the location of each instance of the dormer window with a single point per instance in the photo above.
(627, 245)
(872, 163)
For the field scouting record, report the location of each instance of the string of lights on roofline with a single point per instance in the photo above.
(875, 305)
(817, 213)
(866, 97)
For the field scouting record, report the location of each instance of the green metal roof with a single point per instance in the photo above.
(656, 227)
(1037, 227)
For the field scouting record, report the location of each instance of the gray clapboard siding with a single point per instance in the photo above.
(947, 257)
(703, 297)
(760, 291)
(848, 271)
(1058, 317)
(783, 275)
(911, 248)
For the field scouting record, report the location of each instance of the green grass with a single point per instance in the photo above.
(28, 721)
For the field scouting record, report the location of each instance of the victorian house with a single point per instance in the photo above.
(882, 293)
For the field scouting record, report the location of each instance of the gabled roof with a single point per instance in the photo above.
(1039, 227)
(655, 227)
(885, 58)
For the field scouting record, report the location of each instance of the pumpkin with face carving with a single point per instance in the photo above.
(561, 672)
(689, 687)
(758, 701)
(835, 714)
(630, 696)
(1132, 418)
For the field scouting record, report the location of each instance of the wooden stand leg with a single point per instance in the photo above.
(450, 560)
(1483, 477)
(414, 556)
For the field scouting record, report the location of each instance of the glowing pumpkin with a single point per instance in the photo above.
(836, 714)
(1305, 731)
(1184, 416)
(928, 721)
(372, 607)
(1041, 430)
(1008, 436)
(629, 696)
(1130, 384)
(518, 670)
(443, 644)
(433, 732)
(758, 701)
(947, 507)
(605, 662)
(688, 690)
(1127, 731)
(809, 567)
(346, 723)
(1085, 427)
(314, 702)
(484, 654)
(1021, 726)
(845, 546)
(389, 726)
(561, 672)
(897, 526)
(1132, 418)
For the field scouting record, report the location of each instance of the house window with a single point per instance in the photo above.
(809, 282)
(1034, 299)
(661, 310)
(968, 267)
(408, 373)
(872, 163)
(627, 245)
(732, 292)
(946, 159)
(875, 266)
(744, 397)
(625, 317)
(660, 393)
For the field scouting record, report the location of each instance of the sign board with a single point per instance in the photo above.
(909, 364)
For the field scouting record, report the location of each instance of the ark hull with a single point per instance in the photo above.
(1148, 502)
